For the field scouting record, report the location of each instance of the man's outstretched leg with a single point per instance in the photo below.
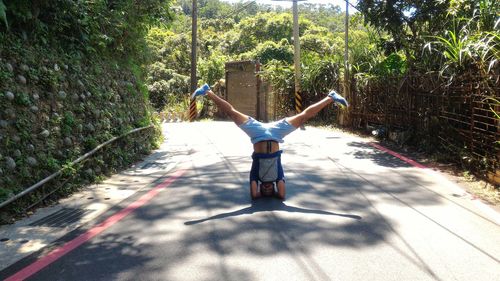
(237, 117)
(311, 111)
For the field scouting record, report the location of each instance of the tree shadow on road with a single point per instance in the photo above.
(267, 205)
(381, 158)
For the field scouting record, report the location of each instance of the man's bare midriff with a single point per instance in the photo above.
(261, 147)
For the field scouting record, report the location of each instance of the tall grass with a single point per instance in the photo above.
(465, 48)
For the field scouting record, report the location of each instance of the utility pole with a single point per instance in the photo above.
(296, 57)
(194, 82)
(346, 50)
(346, 61)
(296, 54)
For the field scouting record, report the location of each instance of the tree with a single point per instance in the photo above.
(92, 26)
(329, 16)
(405, 20)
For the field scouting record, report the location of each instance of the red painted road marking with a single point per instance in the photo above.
(78, 241)
(395, 154)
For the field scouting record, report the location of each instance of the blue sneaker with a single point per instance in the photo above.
(338, 98)
(201, 91)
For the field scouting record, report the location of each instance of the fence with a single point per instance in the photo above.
(456, 117)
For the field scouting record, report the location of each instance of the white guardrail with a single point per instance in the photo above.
(81, 158)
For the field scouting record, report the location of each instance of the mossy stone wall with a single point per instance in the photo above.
(56, 105)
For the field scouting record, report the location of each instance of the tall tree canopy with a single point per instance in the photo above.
(405, 20)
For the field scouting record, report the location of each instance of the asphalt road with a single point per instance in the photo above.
(352, 212)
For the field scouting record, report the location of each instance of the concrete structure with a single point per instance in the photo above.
(245, 90)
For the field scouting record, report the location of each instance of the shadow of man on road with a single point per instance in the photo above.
(267, 205)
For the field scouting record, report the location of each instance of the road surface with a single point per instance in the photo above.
(353, 212)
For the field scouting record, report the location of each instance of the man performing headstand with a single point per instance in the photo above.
(266, 175)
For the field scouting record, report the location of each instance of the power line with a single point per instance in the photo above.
(347, 1)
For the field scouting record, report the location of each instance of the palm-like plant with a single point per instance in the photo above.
(321, 76)
(488, 48)
(494, 103)
(465, 48)
(455, 47)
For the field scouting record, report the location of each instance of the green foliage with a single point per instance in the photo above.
(144, 121)
(140, 83)
(318, 43)
(212, 69)
(52, 164)
(156, 39)
(364, 53)
(330, 16)
(394, 64)
(4, 193)
(281, 76)
(494, 103)
(214, 9)
(217, 24)
(165, 86)
(159, 71)
(96, 27)
(461, 33)
(278, 74)
(104, 96)
(262, 35)
(269, 50)
(68, 170)
(176, 53)
(3, 15)
(483, 13)
(261, 28)
(405, 20)
(67, 124)
(90, 143)
(464, 47)
(22, 99)
(320, 77)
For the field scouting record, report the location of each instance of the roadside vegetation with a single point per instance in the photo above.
(75, 73)
(71, 77)
(421, 74)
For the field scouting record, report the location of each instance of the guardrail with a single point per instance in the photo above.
(79, 159)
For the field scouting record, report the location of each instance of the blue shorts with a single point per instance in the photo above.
(275, 131)
(254, 171)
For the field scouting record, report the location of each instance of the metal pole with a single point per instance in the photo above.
(345, 116)
(346, 51)
(194, 82)
(296, 57)
(258, 110)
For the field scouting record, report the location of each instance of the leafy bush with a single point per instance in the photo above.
(321, 76)
(176, 53)
(3, 15)
(465, 48)
(100, 27)
(165, 86)
(394, 64)
(212, 69)
(317, 43)
(156, 39)
(159, 71)
(269, 50)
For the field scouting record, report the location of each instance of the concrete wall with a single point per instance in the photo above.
(241, 85)
(246, 91)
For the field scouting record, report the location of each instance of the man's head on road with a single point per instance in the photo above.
(267, 188)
